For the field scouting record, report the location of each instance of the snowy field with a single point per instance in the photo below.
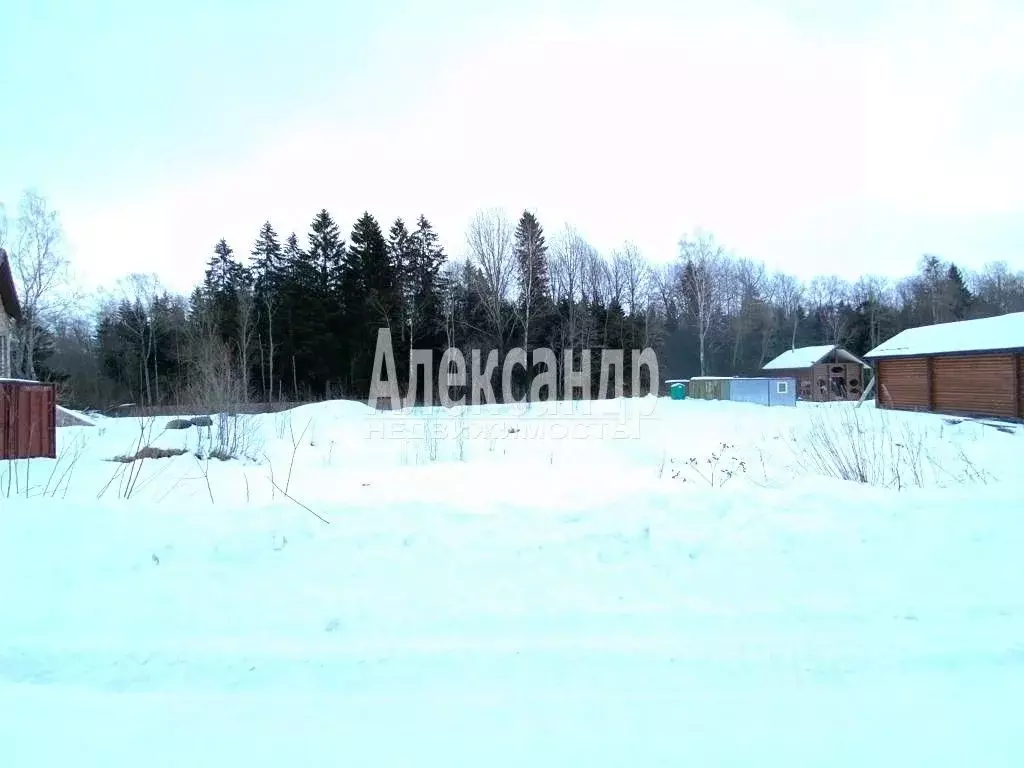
(624, 583)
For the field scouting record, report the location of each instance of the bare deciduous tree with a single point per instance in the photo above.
(827, 295)
(213, 382)
(788, 296)
(490, 239)
(998, 288)
(599, 282)
(571, 258)
(745, 283)
(635, 274)
(703, 287)
(666, 284)
(450, 274)
(767, 317)
(246, 300)
(617, 271)
(140, 291)
(42, 273)
(870, 293)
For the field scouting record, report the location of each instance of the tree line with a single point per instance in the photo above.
(296, 319)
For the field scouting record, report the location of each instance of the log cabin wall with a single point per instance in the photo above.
(969, 384)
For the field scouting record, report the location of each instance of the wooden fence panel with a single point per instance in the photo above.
(28, 420)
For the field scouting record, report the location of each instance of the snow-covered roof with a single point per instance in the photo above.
(805, 357)
(982, 335)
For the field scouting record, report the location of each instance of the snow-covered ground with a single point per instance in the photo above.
(634, 582)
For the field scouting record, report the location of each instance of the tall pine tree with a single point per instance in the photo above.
(320, 315)
(531, 260)
(291, 297)
(219, 292)
(372, 294)
(269, 276)
(959, 297)
(424, 289)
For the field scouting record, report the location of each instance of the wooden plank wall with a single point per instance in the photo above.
(903, 383)
(977, 384)
(853, 381)
(1020, 386)
(708, 389)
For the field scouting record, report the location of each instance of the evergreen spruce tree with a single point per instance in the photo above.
(424, 288)
(371, 290)
(319, 309)
(291, 296)
(223, 276)
(400, 247)
(292, 250)
(959, 298)
(429, 255)
(326, 251)
(534, 288)
(932, 288)
(267, 258)
(269, 275)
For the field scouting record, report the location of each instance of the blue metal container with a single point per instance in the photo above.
(764, 391)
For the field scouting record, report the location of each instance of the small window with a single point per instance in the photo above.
(782, 387)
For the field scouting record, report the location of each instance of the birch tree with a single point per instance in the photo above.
(635, 273)
(570, 258)
(245, 298)
(41, 270)
(703, 287)
(490, 239)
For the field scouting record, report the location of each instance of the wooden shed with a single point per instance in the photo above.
(966, 368)
(824, 373)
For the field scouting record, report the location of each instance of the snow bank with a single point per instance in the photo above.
(68, 418)
(648, 582)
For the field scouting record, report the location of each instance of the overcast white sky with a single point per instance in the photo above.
(813, 136)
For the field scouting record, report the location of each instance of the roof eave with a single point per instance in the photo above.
(8, 291)
(953, 353)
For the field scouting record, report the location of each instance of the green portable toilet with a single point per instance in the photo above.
(677, 390)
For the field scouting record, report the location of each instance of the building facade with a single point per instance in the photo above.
(967, 368)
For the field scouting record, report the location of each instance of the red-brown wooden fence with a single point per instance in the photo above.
(28, 420)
